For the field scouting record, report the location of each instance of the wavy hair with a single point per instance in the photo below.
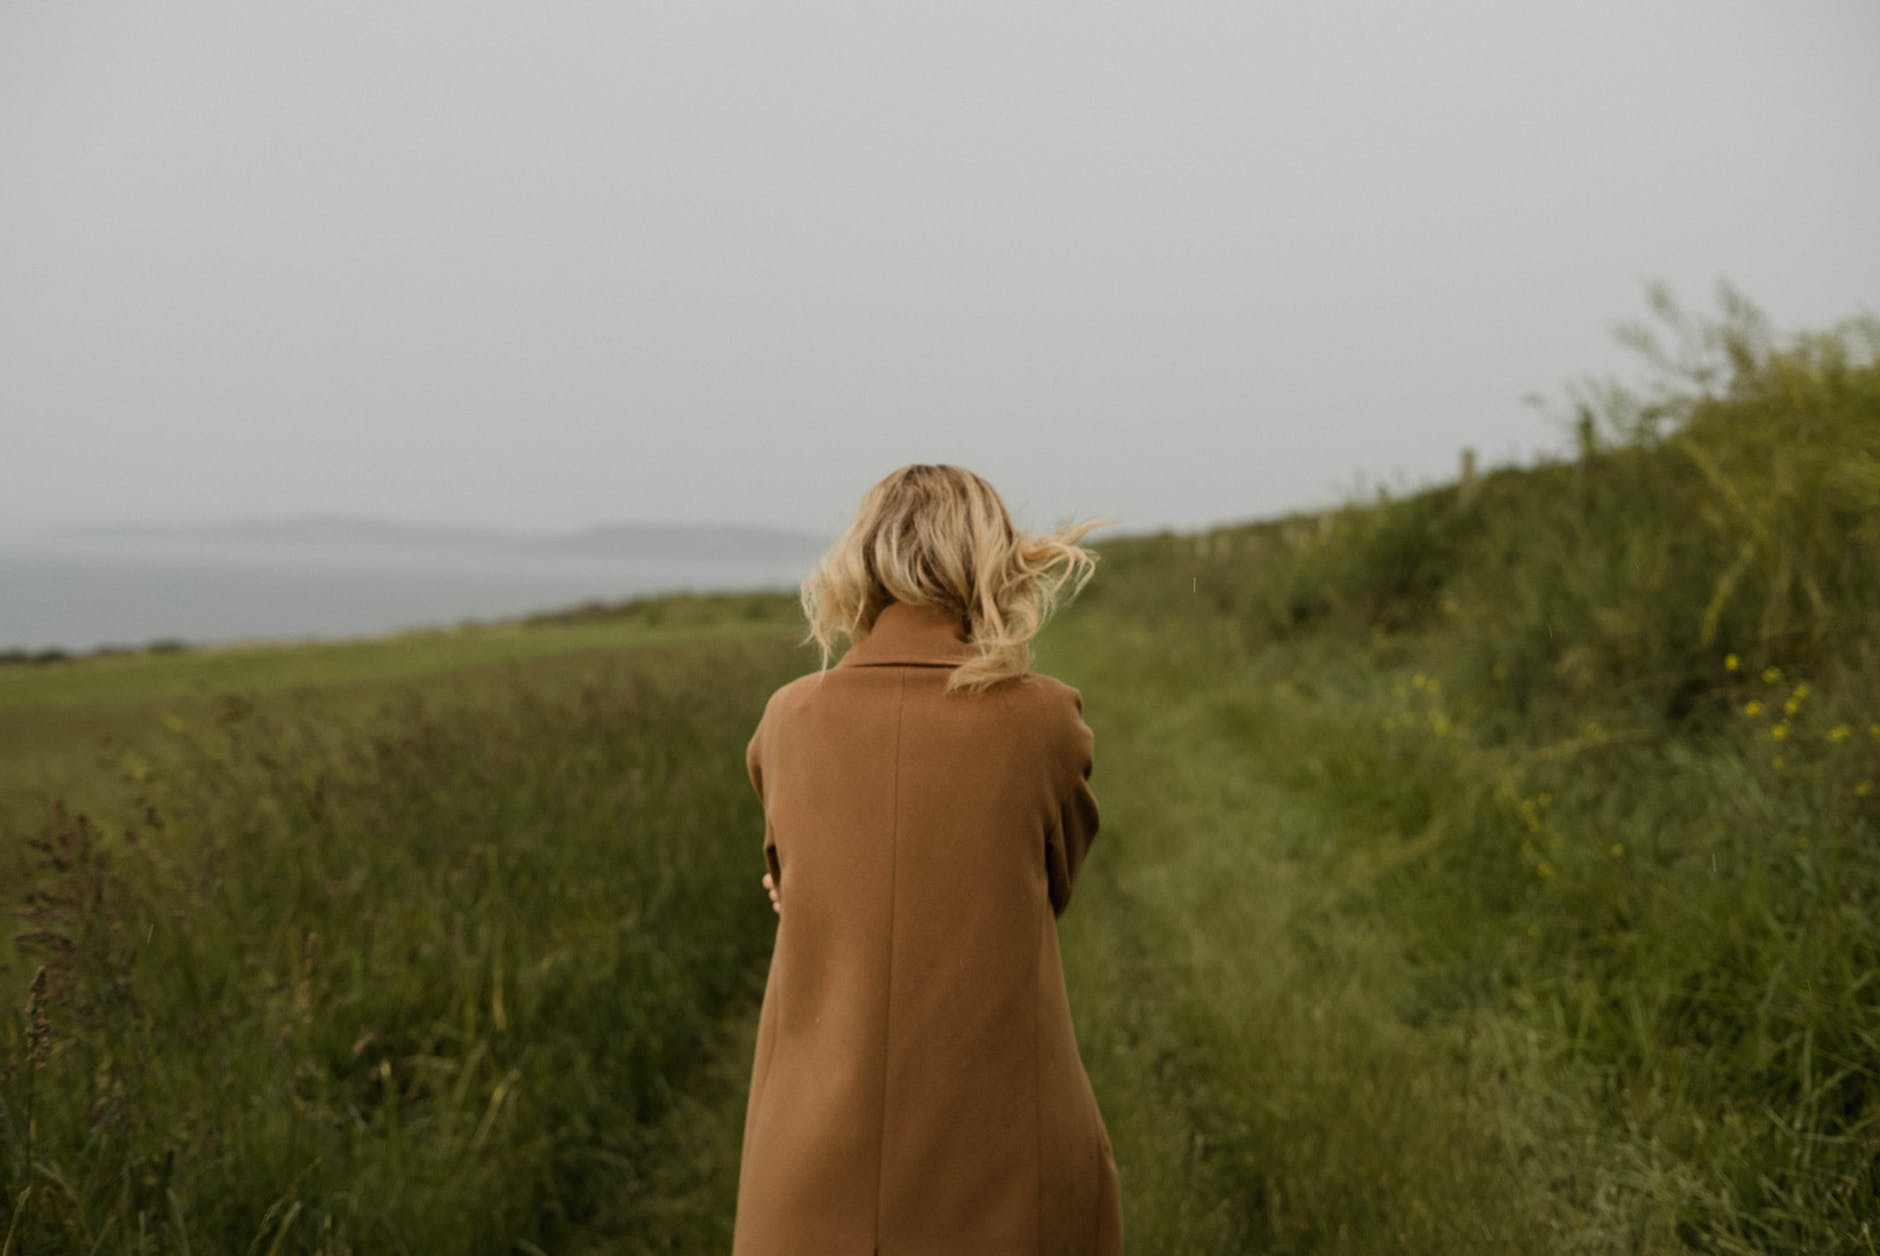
(938, 535)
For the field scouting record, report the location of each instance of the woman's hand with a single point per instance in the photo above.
(770, 885)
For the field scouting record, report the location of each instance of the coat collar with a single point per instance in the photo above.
(925, 636)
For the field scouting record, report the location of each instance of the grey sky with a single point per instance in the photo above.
(551, 265)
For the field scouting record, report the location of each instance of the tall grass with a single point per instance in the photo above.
(420, 985)
(1588, 751)
(1739, 514)
(1492, 869)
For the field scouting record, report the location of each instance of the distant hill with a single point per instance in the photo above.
(626, 541)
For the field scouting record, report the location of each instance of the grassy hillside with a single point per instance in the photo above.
(1493, 869)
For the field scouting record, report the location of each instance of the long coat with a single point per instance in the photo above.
(916, 1088)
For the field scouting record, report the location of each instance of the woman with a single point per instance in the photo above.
(916, 1087)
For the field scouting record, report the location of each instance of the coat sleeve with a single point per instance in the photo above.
(1075, 826)
(754, 759)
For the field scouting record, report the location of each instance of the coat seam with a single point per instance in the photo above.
(887, 1003)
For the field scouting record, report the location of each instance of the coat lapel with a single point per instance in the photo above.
(923, 636)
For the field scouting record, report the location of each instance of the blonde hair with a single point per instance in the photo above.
(938, 535)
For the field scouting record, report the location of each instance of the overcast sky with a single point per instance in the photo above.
(558, 264)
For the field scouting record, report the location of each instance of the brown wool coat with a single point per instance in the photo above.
(916, 1088)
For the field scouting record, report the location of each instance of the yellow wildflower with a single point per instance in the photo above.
(1863, 789)
(1730, 662)
(1779, 731)
(1752, 707)
(1772, 674)
(1840, 732)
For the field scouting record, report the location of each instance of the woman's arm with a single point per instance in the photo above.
(754, 767)
(1075, 827)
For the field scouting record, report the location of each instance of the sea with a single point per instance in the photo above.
(81, 595)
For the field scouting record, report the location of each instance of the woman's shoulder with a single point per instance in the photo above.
(792, 692)
(1054, 692)
(1058, 725)
(1057, 708)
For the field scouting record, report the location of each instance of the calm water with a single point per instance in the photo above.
(80, 595)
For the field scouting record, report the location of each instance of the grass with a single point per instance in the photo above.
(1492, 869)
(421, 983)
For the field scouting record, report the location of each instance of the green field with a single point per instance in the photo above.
(1490, 869)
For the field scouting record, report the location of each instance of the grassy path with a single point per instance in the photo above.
(1237, 1006)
